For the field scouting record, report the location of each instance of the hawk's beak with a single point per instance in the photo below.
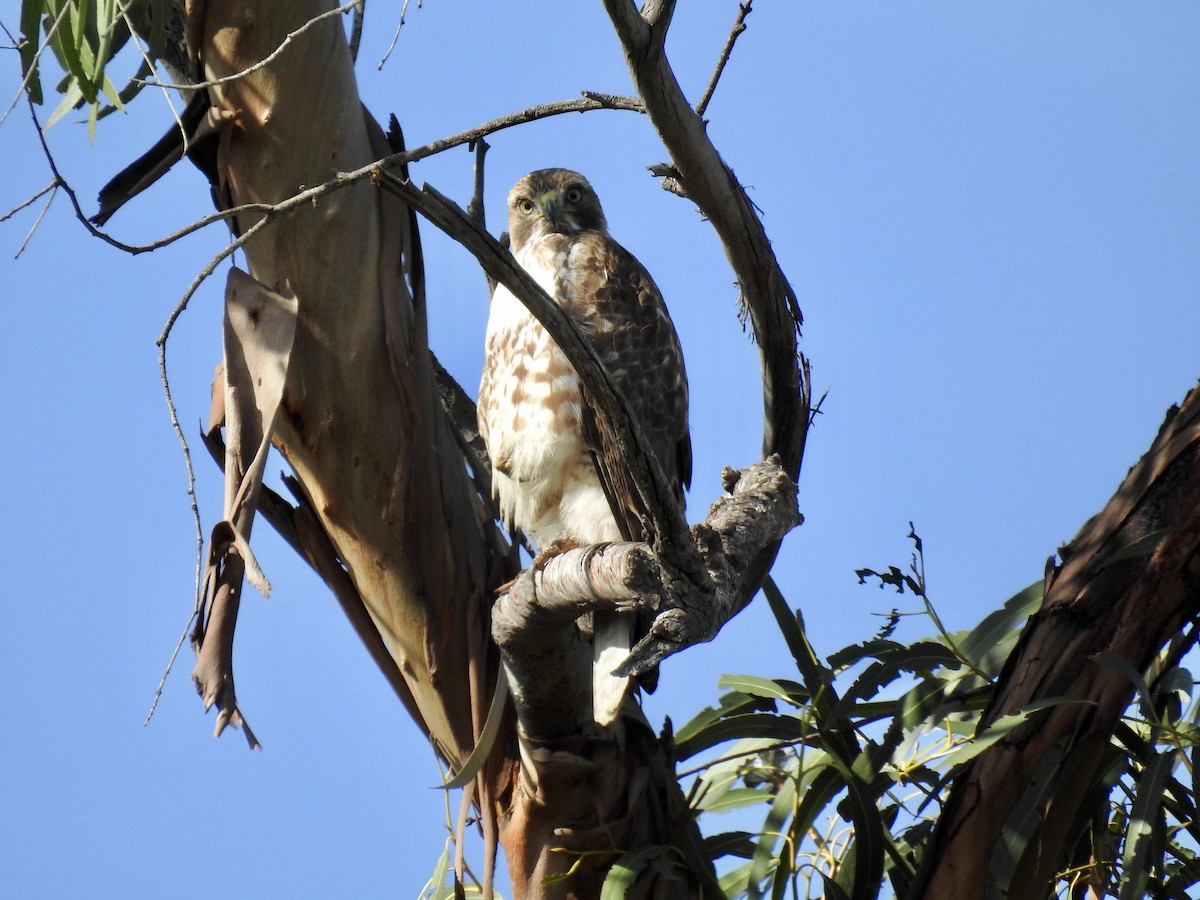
(548, 203)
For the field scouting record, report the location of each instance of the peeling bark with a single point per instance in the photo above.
(260, 328)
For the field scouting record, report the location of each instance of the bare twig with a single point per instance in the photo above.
(149, 64)
(36, 222)
(739, 25)
(132, 249)
(588, 102)
(395, 35)
(29, 202)
(162, 681)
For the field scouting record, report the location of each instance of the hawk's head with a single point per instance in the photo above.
(552, 201)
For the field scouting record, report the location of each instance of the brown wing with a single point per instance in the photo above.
(622, 312)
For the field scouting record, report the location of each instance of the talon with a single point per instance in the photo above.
(562, 545)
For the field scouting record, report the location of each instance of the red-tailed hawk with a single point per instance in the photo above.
(530, 411)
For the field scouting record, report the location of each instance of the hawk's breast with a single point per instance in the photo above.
(530, 417)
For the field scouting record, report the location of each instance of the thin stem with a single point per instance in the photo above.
(739, 25)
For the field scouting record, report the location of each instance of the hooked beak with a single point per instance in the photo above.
(548, 204)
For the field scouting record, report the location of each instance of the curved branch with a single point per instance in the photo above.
(772, 305)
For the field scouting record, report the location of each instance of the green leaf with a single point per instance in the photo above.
(728, 704)
(772, 830)
(734, 799)
(435, 887)
(735, 882)
(753, 685)
(69, 44)
(863, 865)
(1118, 663)
(988, 644)
(729, 843)
(924, 656)
(1176, 680)
(31, 34)
(747, 725)
(1136, 861)
(624, 871)
(105, 20)
(833, 891)
(1004, 726)
(990, 735)
(70, 100)
(791, 626)
(487, 737)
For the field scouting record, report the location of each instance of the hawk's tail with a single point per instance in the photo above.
(612, 640)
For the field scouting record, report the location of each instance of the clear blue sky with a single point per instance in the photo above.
(990, 213)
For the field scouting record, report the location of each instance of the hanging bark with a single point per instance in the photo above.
(260, 328)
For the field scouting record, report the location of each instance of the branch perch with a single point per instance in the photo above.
(533, 622)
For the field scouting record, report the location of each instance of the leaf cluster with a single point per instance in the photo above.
(851, 759)
(85, 36)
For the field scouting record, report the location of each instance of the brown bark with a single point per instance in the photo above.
(1126, 585)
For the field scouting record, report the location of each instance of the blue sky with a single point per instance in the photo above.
(991, 216)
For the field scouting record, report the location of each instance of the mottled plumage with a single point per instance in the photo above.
(530, 409)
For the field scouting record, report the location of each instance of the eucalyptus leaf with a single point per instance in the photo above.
(1140, 836)
(735, 799)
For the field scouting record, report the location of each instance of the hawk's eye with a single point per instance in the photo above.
(573, 194)
(525, 206)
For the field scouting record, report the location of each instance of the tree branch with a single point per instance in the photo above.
(533, 621)
(739, 25)
(773, 309)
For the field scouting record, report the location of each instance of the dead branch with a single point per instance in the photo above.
(739, 25)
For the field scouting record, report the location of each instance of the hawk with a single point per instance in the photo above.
(531, 412)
